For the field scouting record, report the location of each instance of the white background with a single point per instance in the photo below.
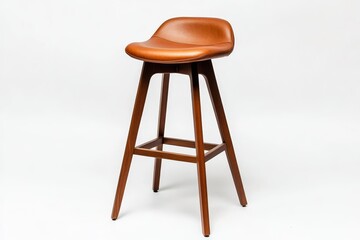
(290, 89)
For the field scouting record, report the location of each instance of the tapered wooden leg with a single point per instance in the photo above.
(207, 70)
(133, 131)
(199, 144)
(161, 128)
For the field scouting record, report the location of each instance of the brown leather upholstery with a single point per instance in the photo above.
(185, 39)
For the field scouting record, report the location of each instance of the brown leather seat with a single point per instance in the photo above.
(185, 39)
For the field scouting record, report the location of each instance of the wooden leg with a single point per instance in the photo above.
(133, 131)
(161, 128)
(199, 144)
(207, 70)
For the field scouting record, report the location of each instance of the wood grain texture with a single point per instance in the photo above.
(206, 69)
(131, 140)
(199, 143)
(161, 128)
(146, 149)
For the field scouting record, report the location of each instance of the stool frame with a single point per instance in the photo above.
(193, 70)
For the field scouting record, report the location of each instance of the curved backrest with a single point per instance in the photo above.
(196, 30)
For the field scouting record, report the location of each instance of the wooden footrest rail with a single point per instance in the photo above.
(145, 149)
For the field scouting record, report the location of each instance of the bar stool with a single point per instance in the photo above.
(182, 45)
